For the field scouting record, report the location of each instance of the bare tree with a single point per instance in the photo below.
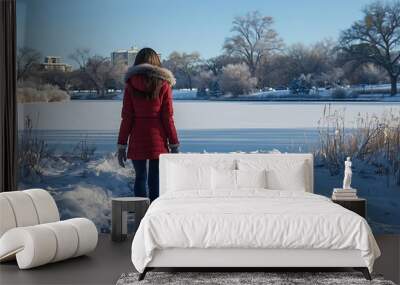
(367, 73)
(79, 80)
(309, 60)
(253, 40)
(56, 77)
(318, 60)
(185, 64)
(376, 39)
(98, 70)
(81, 57)
(314, 60)
(27, 60)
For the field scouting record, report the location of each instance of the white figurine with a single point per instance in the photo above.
(347, 174)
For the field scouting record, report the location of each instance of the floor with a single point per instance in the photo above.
(103, 266)
(110, 260)
(389, 262)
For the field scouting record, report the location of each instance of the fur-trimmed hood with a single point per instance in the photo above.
(151, 71)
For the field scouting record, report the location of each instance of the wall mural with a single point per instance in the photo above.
(258, 92)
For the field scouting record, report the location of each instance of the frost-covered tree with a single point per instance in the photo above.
(253, 39)
(367, 73)
(376, 39)
(205, 78)
(184, 66)
(215, 64)
(237, 79)
(207, 84)
(29, 91)
(335, 76)
(102, 73)
(301, 85)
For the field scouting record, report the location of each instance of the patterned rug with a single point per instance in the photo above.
(244, 278)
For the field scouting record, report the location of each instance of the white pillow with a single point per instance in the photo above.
(291, 178)
(282, 173)
(181, 177)
(251, 178)
(223, 179)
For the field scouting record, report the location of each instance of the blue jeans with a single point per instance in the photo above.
(142, 178)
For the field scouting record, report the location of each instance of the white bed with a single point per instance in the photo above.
(248, 226)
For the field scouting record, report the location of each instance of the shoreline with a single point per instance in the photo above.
(295, 100)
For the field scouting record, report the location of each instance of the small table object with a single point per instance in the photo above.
(119, 214)
(358, 205)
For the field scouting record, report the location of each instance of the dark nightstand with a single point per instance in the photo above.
(120, 207)
(358, 206)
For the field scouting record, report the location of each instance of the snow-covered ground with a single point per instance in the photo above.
(84, 189)
(184, 94)
(118, 94)
(372, 93)
(377, 92)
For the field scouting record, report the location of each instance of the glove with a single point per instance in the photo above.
(121, 155)
(174, 149)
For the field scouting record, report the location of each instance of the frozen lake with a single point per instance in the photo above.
(202, 125)
(195, 115)
(212, 140)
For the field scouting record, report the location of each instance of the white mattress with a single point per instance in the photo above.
(250, 219)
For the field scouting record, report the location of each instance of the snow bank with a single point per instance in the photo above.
(184, 93)
(85, 189)
(109, 164)
(90, 201)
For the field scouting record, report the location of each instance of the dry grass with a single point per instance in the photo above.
(372, 140)
(34, 154)
(84, 150)
(31, 152)
(28, 92)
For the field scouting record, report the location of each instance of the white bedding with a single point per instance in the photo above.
(250, 218)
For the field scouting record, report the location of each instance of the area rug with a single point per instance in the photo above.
(244, 278)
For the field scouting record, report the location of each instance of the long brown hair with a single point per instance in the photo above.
(149, 56)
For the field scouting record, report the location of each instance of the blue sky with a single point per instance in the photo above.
(57, 27)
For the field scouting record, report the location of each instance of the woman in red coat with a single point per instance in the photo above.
(147, 120)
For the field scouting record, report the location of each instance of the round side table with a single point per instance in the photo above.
(120, 207)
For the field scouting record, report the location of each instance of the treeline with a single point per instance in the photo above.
(94, 72)
(318, 65)
(255, 58)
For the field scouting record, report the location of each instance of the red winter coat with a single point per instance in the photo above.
(148, 124)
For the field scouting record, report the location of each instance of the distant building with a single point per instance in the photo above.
(55, 63)
(125, 56)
